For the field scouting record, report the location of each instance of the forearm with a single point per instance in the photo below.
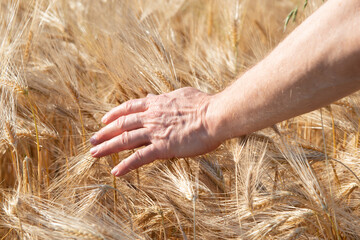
(315, 65)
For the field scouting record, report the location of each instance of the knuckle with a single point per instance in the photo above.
(120, 122)
(101, 150)
(151, 129)
(140, 117)
(150, 104)
(125, 163)
(105, 146)
(138, 154)
(158, 153)
(127, 106)
(99, 135)
(165, 147)
(147, 102)
(124, 139)
(154, 152)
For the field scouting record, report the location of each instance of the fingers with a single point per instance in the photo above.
(132, 106)
(116, 127)
(141, 157)
(126, 140)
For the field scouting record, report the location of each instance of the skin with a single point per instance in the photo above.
(318, 63)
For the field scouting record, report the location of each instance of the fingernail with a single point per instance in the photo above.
(114, 171)
(93, 140)
(94, 150)
(104, 118)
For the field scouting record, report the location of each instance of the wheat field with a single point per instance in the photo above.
(64, 64)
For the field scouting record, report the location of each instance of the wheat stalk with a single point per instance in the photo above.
(86, 58)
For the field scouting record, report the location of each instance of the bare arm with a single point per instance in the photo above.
(316, 64)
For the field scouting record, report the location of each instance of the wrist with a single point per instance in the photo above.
(215, 119)
(227, 110)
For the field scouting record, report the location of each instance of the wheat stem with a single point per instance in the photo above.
(334, 224)
(334, 147)
(13, 159)
(357, 135)
(10, 230)
(34, 114)
(11, 139)
(210, 19)
(82, 125)
(114, 159)
(194, 215)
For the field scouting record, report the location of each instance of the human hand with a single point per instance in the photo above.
(168, 125)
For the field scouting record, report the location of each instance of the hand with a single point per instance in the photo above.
(168, 125)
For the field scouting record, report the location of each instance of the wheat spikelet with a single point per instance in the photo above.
(307, 175)
(107, 52)
(80, 234)
(234, 33)
(261, 30)
(345, 104)
(10, 134)
(249, 188)
(13, 85)
(214, 173)
(47, 133)
(27, 176)
(123, 95)
(277, 198)
(160, 48)
(25, 133)
(299, 216)
(266, 228)
(165, 80)
(74, 93)
(296, 233)
(347, 191)
(76, 96)
(27, 47)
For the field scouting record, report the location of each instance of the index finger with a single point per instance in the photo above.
(141, 157)
(131, 106)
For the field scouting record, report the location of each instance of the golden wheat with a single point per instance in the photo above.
(64, 64)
